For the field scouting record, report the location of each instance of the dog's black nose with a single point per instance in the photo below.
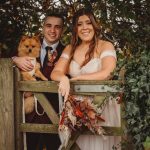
(30, 50)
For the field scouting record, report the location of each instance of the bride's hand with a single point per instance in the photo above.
(64, 87)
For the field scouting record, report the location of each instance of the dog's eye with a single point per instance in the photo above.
(33, 46)
(26, 46)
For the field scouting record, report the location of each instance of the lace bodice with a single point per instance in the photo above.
(92, 66)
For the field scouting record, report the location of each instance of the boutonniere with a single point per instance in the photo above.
(51, 57)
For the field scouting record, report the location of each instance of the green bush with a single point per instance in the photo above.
(137, 98)
(147, 143)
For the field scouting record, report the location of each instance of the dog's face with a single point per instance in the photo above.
(29, 46)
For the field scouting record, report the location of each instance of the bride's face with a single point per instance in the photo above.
(85, 28)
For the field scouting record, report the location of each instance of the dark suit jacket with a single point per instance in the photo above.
(47, 72)
(53, 98)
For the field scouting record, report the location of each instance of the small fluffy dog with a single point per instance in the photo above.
(30, 46)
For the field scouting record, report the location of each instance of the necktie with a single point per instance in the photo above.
(48, 49)
(49, 61)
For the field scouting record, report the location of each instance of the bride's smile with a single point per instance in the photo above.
(85, 28)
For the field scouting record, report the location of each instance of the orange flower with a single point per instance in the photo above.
(78, 112)
(91, 114)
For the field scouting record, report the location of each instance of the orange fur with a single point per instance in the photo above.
(30, 46)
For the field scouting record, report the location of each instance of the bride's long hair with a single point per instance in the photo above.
(76, 40)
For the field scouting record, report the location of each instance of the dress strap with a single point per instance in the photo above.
(108, 53)
(64, 55)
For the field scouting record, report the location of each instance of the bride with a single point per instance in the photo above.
(88, 58)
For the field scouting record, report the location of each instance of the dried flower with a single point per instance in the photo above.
(79, 111)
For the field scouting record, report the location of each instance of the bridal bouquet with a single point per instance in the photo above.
(79, 111)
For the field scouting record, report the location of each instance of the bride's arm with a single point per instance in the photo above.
(60, 71)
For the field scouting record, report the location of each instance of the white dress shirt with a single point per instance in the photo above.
(43, 50)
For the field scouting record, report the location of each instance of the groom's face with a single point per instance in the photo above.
(52, 29)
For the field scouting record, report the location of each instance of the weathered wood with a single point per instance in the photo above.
(6, 105)
(97, 88)
(97, 82)
(99, 99)
(18, 111)
(72, 143)
(49, 110)
(38, 86)
(40, 128)
(110, 131)
(78, 86)
(75, 147)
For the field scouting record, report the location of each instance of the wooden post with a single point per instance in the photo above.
(18, 111)
(7, 141)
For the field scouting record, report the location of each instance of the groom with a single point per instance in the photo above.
(52, 31)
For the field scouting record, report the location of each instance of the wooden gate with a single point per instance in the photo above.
(96, 88)
(7, 140)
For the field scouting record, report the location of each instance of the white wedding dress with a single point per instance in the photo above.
(111, 112)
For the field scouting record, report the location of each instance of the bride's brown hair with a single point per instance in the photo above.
(76, 40)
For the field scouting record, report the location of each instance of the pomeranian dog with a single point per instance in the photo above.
(30, 46)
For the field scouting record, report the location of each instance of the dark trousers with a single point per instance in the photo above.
(38, 141)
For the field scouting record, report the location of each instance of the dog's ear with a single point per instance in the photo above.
(37, 38)
(23, 38)
(39, 35)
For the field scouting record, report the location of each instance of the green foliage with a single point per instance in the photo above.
(124, 23)
(19, 18)
(147, 143)
(137, 98)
